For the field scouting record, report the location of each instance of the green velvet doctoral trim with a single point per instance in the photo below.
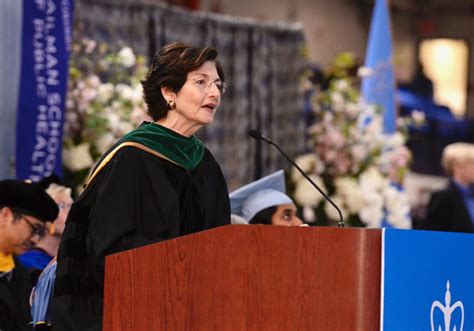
(185, 151)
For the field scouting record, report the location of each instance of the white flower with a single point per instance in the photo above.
(97, 113)
(352, 109)
(337, 101)
(104, 142)
(359, 152)
(114, 121)
(351, 194)
(89, 45)
(127, 57)
(105, 92)
(399, 220)
(371, 216)
(125, 91)
(137, 94)
(364, 72)
(88, 94)
(341, 85)
(375, 127)
(78, 157)
(395, 140)
(309, 215)
(306, 194)
(372, 180)
(124, 127)
(347, 138)
(307, 163)
(93, 81)
(116, 105)
(398, 207)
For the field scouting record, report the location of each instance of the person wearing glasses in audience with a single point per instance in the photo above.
(264, 202)
(37, 257)
(157, 182)
(24, 209)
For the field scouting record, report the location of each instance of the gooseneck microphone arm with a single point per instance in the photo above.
(258, 135)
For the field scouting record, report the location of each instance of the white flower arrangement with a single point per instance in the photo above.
(352, 159)
(104, 102)
(78, 157)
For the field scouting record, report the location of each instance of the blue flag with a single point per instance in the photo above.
(46, 41)
(379, 86)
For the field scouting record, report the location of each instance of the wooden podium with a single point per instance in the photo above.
(241, 277)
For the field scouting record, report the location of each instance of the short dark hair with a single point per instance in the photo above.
(264, 216)
(170, 68)
(15, 212)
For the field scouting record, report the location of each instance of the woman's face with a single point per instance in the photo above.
(286, 215)
(464, 172)
(198, 99)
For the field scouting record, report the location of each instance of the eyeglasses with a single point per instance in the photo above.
(64, 206)
(36, 230)
(204, 84)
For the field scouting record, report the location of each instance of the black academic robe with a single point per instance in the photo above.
(15, 289)
(447, 211)
(137, 199)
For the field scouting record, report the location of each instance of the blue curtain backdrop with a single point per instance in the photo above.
(263, 62)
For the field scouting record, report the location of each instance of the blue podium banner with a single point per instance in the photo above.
(427, 280)
(46, 39)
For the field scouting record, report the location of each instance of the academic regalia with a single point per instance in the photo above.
(447, 211)
(35, 260)
(15, 282)
(28, 198)
(138, 194)
(41, 298)
(247, 201)
(15, 288)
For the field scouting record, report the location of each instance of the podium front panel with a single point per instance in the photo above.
(242, 277)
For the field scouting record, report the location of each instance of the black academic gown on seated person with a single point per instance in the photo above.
(15, 289)
(447, 211)
(137, 199)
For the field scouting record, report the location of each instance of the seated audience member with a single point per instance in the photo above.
(37, 258)
(452, 209)
(24, 209)
(264, 202)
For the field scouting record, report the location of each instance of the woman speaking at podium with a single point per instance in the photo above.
(157, 182)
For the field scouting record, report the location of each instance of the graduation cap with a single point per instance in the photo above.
(28, 198)
(252, 198)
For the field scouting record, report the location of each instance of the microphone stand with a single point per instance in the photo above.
(258, 135)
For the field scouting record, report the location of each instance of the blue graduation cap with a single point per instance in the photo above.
(252, 198)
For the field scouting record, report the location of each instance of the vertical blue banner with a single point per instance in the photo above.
(379, 86)
(428, 280)
(46, 40)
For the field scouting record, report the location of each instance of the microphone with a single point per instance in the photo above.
(258, 135)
